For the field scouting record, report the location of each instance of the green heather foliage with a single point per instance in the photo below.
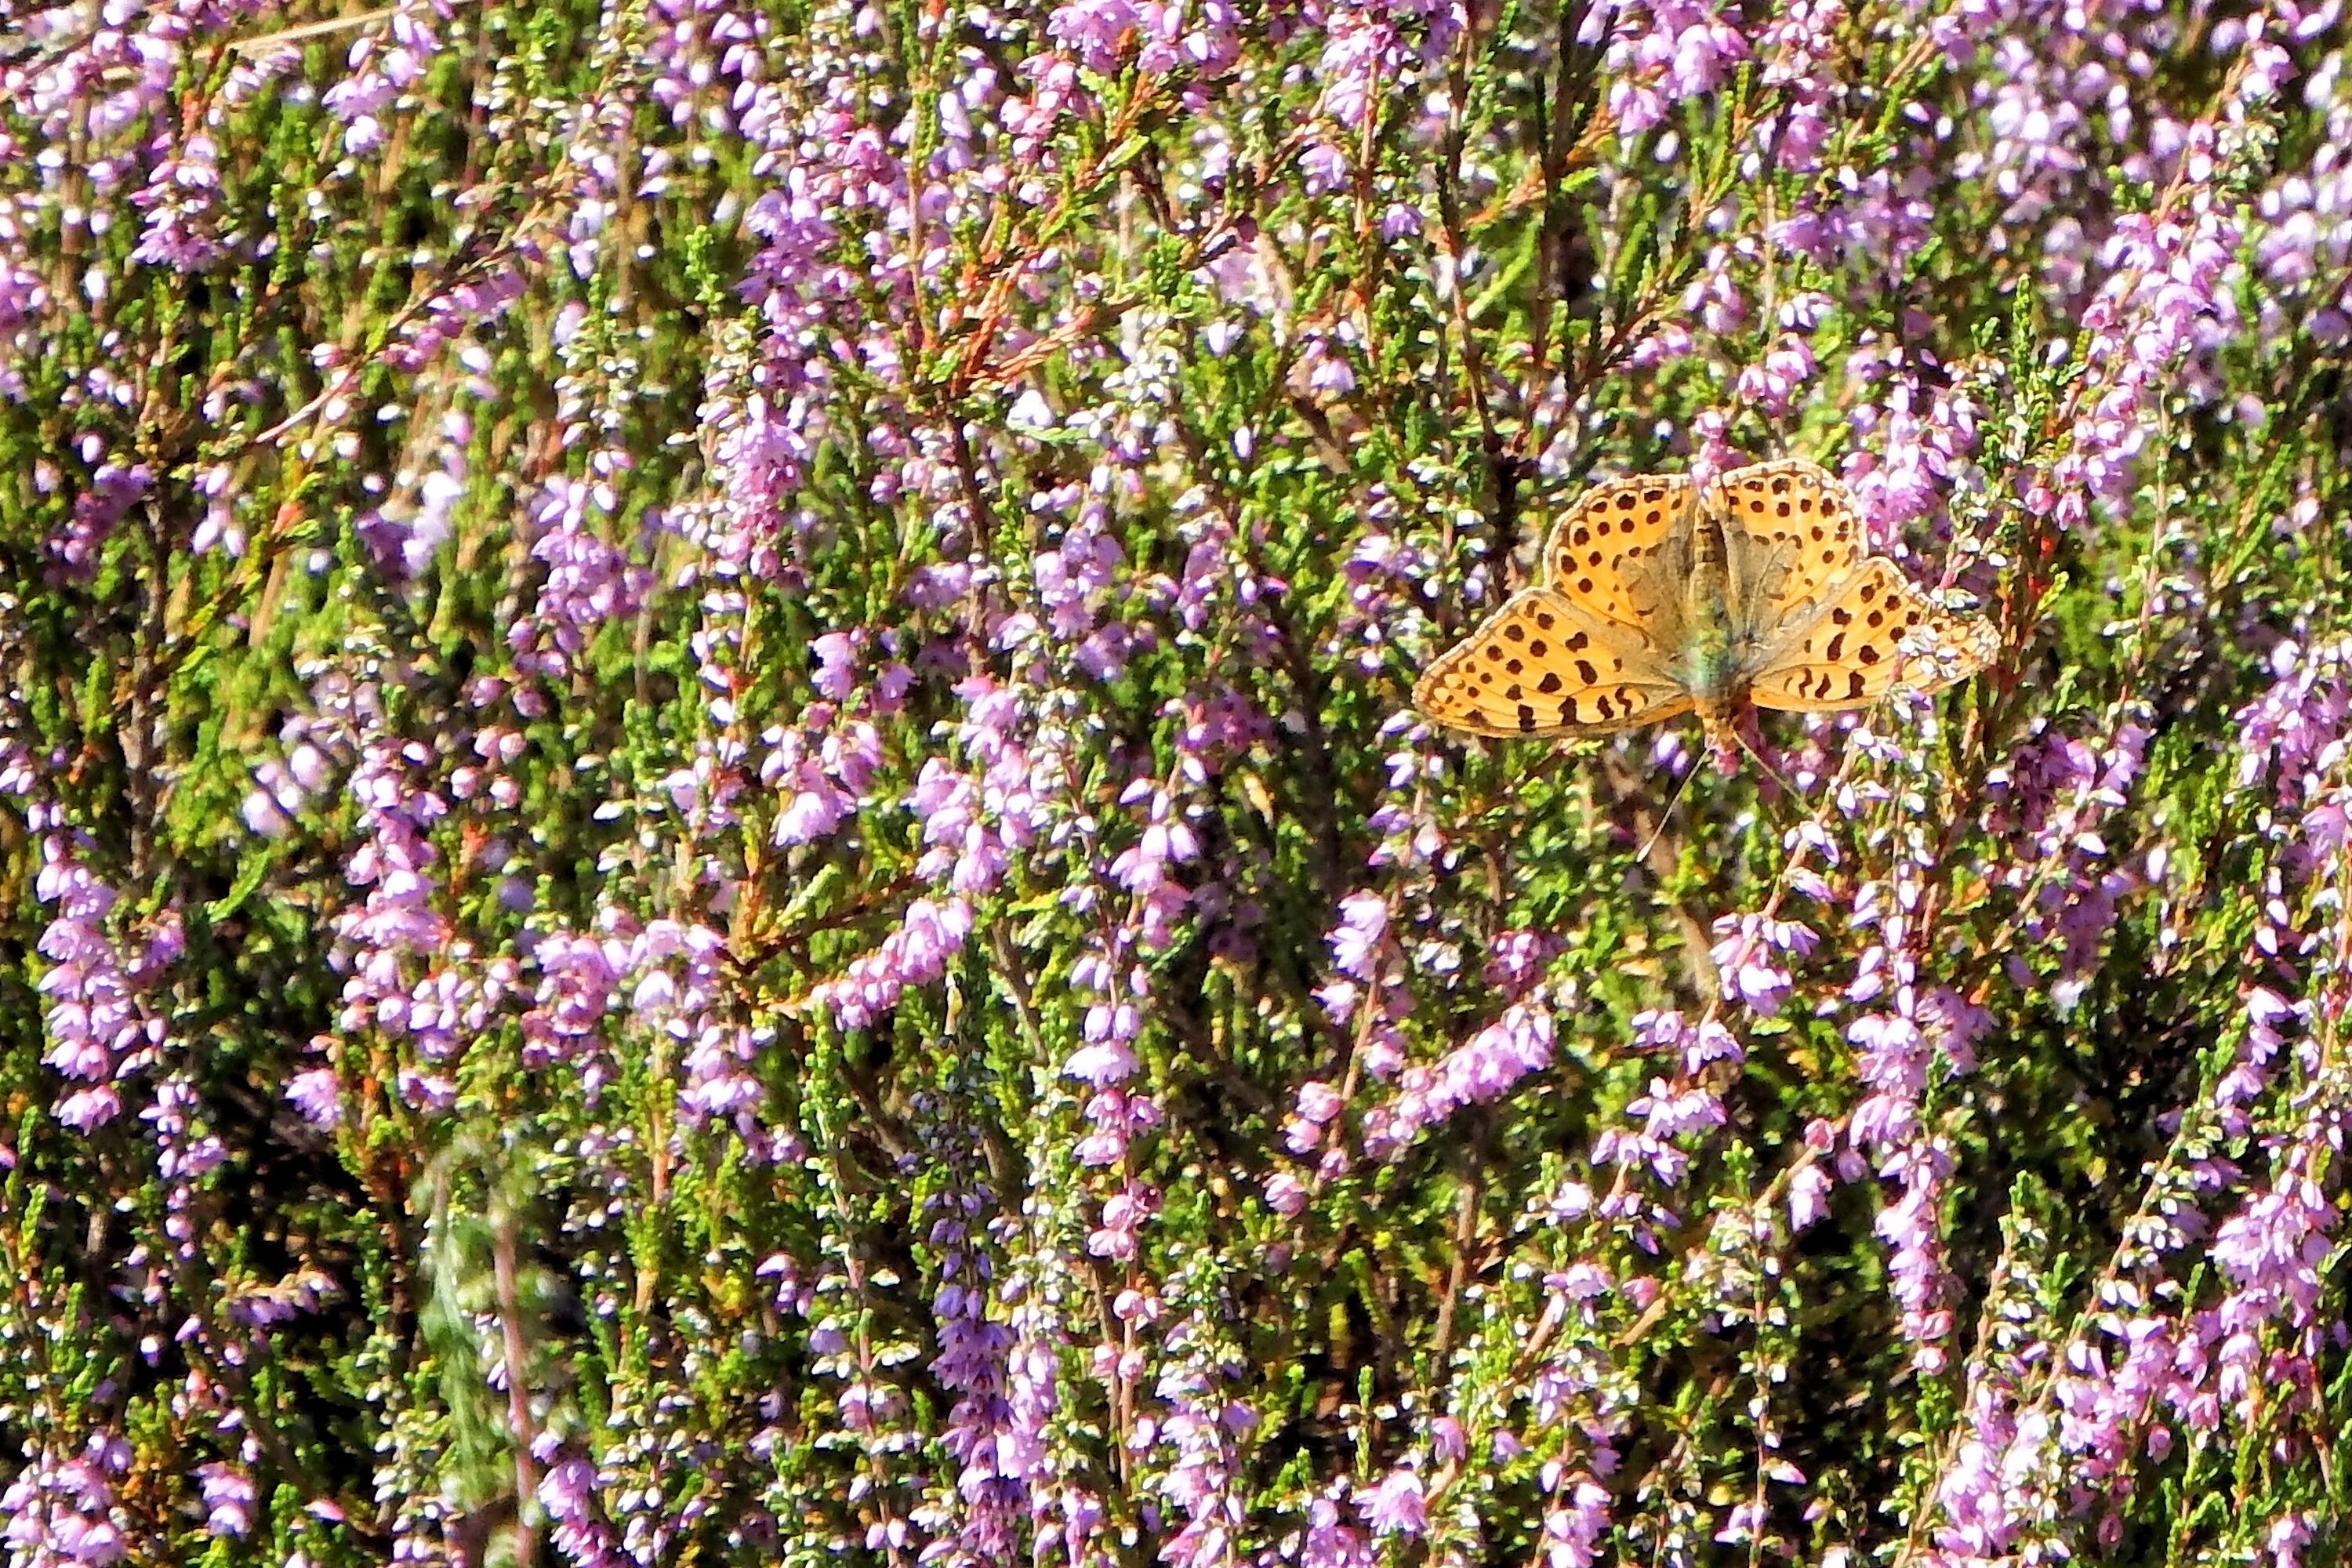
(716, 852)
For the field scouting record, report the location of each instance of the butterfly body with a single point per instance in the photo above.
(1664, 599)
(1708, 660)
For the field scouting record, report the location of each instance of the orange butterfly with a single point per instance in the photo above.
(1664, 599)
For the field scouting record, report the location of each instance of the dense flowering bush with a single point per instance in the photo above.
(716, 852)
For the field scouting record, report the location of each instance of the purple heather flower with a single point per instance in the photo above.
(228, 1498)
(60, 1513)
(588, 583)
(2272, 1247)
(2287, 1536)
(1743, 951)
(914, 954)
(1093, 30)
(179, 203)
(114, 488)
(1518, 958)
(1329, 1542)
(1395, 1507)
(1285, 1194)
(1482, 1070)
(568, 1493)
(1574, 1523)
(1808, 1195)
(381, 66)
(1363, 920)
(1200, 1436)
(837, 656)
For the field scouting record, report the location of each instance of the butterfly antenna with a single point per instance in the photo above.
(1668, 813)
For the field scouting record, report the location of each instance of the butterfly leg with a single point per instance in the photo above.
(1750, 733)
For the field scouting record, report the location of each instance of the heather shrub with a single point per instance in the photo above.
(717, 854)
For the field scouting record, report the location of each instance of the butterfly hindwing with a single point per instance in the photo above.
(1543, 665)
(1600, 552)
(1790, 535)
(1873, 631)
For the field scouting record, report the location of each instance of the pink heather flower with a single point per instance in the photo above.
(914, 954)
(179, 201)
(228, 1498)
(113, 489)
(1744, 952)
(1395, 1507)
(1695, 1046)
(1517, 960)
(60, 1511)
(2271, 1249)
(1773, 382)
(1328, 372)
(1483, 1069)
(1323, 168)
(1102, 1064)
(568, 1493)
(588, 582)
(1285, 1194)
(1363, 920)
(1574, 1523)
(836, 654)
(1093, 30)
(1809, 1196)
(2288, 1538)
(1328, 1541)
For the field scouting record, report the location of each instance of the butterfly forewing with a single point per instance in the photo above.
(1791, 536)
(1543, 665)
(1600, 552)
(1874, 630)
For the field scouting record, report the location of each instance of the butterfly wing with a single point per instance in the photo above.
(1602, 553)
(1545, 665)
(1790, 535)
(1852, 649)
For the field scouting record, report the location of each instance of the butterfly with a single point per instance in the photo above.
(1663, 597)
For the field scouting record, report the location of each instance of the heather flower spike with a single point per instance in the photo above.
(1664, 599)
